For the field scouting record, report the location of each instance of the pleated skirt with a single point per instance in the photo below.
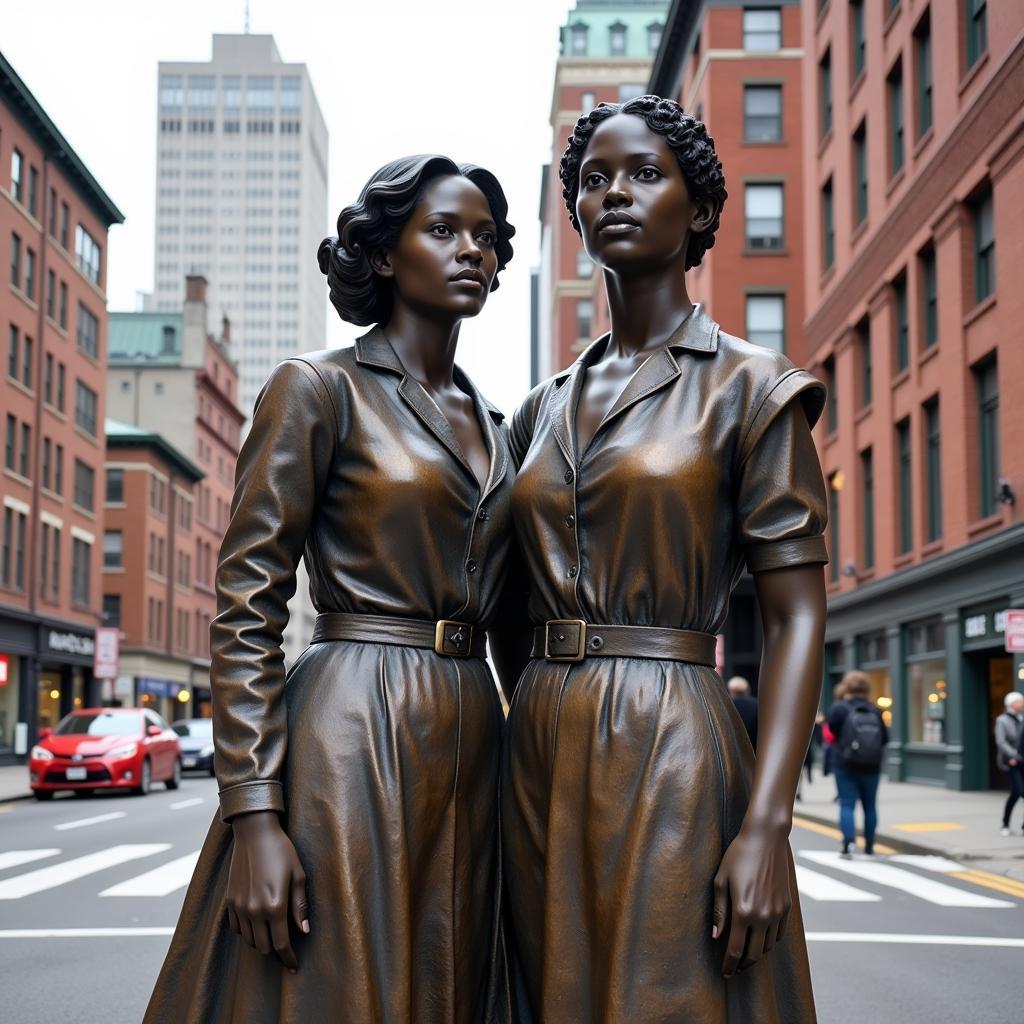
(390, 787)
(623, 782)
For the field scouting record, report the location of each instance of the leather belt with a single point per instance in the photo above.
(574, 640)
(449, 637)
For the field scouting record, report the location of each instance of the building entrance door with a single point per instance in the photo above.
(999, 672)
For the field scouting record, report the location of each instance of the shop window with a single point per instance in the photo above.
(873, 661)
(926, 682)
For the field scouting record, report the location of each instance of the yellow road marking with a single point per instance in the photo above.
(1006, 885)
(4, 808)
(832, 833)
(928, 826)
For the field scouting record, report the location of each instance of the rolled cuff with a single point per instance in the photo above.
(264, 795)
(782, 553)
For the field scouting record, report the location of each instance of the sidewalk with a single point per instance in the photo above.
(927, 819)
(14, 783)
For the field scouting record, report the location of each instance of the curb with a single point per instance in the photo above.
(896, 842)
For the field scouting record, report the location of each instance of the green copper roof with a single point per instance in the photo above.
(597, 18)
(150, 338)
(125, 435)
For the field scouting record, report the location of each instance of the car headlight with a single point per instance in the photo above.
(41, 754)
(128, 750)
(206, 751)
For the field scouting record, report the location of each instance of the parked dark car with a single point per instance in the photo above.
(196, 738)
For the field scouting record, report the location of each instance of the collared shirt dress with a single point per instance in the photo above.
(382, 759)
(625, 779)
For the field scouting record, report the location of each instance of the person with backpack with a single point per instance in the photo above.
(860, 739)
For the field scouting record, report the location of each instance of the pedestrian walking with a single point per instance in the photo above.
(1009, 737)
(746, 706)
(860, 739)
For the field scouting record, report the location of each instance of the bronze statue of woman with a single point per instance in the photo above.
(648, 870)
(353, 874)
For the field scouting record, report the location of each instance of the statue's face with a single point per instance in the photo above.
(633, 207)
(445, 259)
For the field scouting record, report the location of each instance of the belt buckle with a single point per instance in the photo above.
(564, 636)
(453, 639)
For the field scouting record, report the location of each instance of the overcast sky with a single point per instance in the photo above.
(392, 77)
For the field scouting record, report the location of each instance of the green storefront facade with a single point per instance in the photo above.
(931, 637)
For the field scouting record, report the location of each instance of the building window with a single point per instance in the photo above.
(923, 61)
(231, 86)
(87, 254)
(291, 94)
(764, 217)
(113, 549)
(84, 478)
(828, 242)
(867, 482)
(902, 325)
(112, 610)
(202, 92)
(24, 458)
(44, 560)
(584, 318)
(12, 569)
(860, 174)
(15, 261)
(584, 264)
(17, 175)
(13, 352)
(85, 408)
(115, 487)
(10, 443)
(587, 102)
(630, 90)
(172, 94)
(51, 293)
(926, 681)
(825, 92)
(987, 378)
(984, 247)
(831, 400)
(30, 274)
(578, 39)
(62, 308)
(894, 87)
(858, 44)
(27, 361)
(52, 215)
(47, 462)
(906, 541)
(48, 379)
(65, 223)
(766, 321)
(81, 556)
(834, 487)
(88, 332)
(60, 386)
(977, 30)
(762, 113)
(33, 190)
(863, 331)
(654, 33)
(762, 28)
(933, 469)
(617, 39)
(58, 470)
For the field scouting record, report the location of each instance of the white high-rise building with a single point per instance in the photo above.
(241, 198)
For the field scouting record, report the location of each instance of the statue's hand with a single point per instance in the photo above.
(266, 886)
(752, 897)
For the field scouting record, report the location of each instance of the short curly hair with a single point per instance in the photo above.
(360, 295)
(688, 139)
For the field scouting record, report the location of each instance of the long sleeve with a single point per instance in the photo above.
(281, 472)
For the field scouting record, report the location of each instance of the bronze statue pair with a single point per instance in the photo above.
(641, 869)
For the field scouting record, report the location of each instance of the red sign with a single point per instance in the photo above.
(105, 652)
(1014, 634)
(5, 669)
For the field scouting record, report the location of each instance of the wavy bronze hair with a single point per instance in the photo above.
(688, 139)
(375, 221)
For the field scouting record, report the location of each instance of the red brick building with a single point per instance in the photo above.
(149, 590)
(53, 324)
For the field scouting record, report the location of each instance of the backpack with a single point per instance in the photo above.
(860, 739)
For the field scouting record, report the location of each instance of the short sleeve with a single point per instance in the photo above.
(281, 472)
(781, 500)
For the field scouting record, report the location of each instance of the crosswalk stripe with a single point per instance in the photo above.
(82, 933)
(999, 941)
(12, 858)
(928, 862)
(82, 822)
(897, 878)
(181, 804)
(69, 870)
(161, 881)
(817, 886)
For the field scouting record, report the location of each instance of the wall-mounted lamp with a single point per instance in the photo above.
(1005, 495)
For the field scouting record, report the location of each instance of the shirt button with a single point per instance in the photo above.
(483, 515)
(573, 570)
(570, 520)
(568, 476)
(471, 566)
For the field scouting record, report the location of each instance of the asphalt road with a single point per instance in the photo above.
(909, 941)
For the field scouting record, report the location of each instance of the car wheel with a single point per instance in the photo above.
(145, 779)
(175, 780)
(44, 794)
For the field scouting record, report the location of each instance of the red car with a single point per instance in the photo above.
(105, 748)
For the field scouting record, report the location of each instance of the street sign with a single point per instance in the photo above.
(105, 652)
(1015, 630)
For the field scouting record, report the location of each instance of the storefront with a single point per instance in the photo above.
(930, 638)
(48, 670)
